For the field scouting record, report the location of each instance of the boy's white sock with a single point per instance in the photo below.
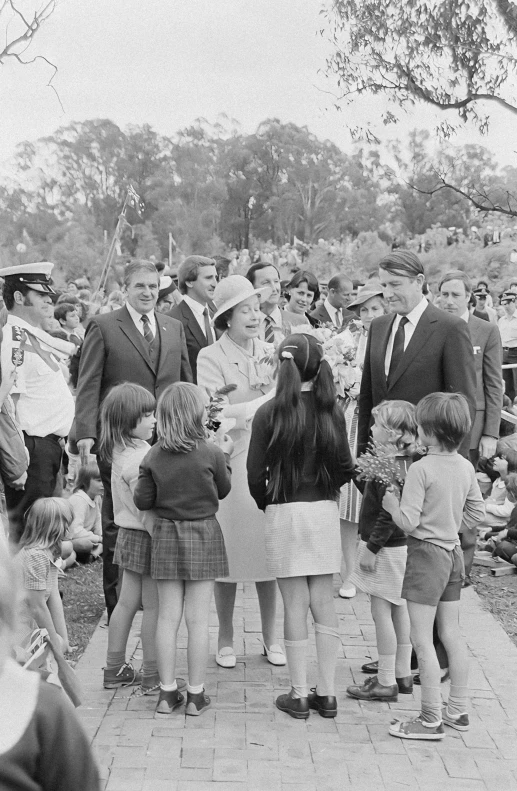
(328, 644)
(431, 704)
(195, 690)
(386, 672)
(457, 703)
(403, 661)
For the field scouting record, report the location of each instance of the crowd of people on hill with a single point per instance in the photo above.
(205, 429)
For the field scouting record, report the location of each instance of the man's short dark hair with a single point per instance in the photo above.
(138, 266)
(402, 262)
(11, 285)
(252, 271)
(62, 310)
(188, 271)
(337, 281)
(457, 274)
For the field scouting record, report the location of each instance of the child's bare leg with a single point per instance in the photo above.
(122, 617)
(149, 621)
(422, 618)
(449, 631)
(400, 618)
(198, 594)
(170, 610)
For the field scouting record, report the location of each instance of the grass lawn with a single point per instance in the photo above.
(83, 602)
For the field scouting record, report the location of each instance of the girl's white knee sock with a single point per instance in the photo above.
(403, 661)
(328, 643)
(386, 673)
(296, 653)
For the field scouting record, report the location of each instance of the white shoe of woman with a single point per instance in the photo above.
(348, 592)
(274, 654)
(226, 657)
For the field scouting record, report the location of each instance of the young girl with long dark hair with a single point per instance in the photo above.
(297, 462)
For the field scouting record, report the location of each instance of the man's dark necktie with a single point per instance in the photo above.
(269, 333)
(338, 320)
(208, 328)
(148, 333)
(398, 347)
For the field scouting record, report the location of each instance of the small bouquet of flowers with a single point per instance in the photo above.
(379, 463)
(215, 407)
(339, 349)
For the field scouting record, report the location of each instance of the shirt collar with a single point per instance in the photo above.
(416, 314)
(275, 315)
(331, 310)
(86, 497)
(465, 316)
(196, 307)
(137, 317)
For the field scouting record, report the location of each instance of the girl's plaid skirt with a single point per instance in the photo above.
(133, 550)
(188, 550)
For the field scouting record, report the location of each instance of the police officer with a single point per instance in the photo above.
(43, 403)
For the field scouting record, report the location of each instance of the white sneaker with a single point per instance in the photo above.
(347, 593)
(226, 657)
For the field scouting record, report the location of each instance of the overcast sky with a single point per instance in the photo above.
(168, 63)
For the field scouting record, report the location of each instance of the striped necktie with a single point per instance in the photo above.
(269, 333)
(148, 333)
(208, 328)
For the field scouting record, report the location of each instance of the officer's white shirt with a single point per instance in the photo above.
(45, 404)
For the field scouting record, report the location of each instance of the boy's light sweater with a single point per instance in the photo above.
(440, 495)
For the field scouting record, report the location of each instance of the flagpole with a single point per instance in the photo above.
(105, 269)
(170, 250)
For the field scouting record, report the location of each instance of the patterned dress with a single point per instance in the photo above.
(350, 500)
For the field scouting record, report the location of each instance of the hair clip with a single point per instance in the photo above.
(287, 355)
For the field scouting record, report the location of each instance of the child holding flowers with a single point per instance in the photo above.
(381, 558)
(440, 496)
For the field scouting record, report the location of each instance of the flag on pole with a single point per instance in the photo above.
(134, 200)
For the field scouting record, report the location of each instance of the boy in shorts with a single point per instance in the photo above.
(440, 496)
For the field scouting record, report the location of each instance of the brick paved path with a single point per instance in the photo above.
(244, 744)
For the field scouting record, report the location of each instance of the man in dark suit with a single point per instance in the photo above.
(455, 290)
(197, 279)
(416, 349)
(334, 308)
(132, 344)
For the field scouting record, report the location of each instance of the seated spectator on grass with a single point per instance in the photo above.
(85, 532)
(496, 540)
(499, 505)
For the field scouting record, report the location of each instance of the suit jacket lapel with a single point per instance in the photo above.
(193, 325)
(421, 335)
(127, 326)
(233, 355)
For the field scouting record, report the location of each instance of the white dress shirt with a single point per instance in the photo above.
(508, 329)
(198, 310)
(278, 332)
(412, 320)
(337, 320)
(137, 319)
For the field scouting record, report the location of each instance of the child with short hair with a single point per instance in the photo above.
(182, 479)
(381, 561)
(127, 425)
(440, 496)
(86, 530)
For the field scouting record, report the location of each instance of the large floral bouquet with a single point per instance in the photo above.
(339, 349)
(379, 463)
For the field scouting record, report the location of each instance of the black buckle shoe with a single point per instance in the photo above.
(370, 667)
(325, 705)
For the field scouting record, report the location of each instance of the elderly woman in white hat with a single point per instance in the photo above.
(368, 304)
(237, 358)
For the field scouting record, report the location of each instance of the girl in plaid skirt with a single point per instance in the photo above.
(182, 479)
(127, 425)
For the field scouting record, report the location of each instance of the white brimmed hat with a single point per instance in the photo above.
(371, 289)
(232, 290)
(34, 276)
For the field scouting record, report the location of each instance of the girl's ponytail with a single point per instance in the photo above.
(330, 428)
(285, 450)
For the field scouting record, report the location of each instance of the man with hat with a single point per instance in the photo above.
(42, 400)
(134, 344)
(415, 350)
(481, 294)
(197, 279)
(508, 328)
